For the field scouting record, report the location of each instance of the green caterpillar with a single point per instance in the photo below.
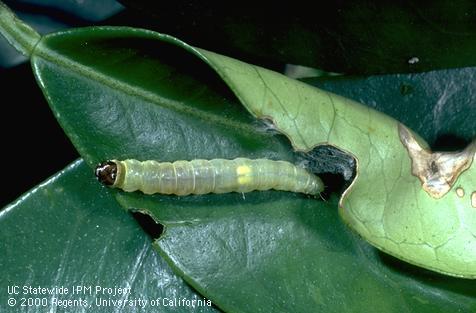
(207, 176)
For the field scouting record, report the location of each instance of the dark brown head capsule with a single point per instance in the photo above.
(106, 172)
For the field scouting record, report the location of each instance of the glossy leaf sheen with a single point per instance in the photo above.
(122, 93)
(70, 231)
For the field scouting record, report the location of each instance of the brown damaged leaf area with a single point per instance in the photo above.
(437, 171)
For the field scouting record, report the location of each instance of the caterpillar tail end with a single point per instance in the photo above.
(106, 173)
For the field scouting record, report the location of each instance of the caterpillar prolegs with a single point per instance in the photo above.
(207, 176)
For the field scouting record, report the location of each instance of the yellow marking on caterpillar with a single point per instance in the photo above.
(242, 172)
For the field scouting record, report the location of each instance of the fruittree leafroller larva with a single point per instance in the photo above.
(207, 176)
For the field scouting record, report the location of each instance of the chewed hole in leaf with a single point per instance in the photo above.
(336, 168)
(151, 227)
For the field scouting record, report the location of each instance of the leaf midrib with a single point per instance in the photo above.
(44, 52)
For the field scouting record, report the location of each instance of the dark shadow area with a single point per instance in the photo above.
(449, 142)
(72, 13)
(190, 34)
(334, 184)
(459, 285)
(344, 36)
(35, 145)
(52, 12)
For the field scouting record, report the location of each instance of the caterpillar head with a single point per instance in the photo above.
(106, 172)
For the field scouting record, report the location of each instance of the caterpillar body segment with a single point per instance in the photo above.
(207, 176)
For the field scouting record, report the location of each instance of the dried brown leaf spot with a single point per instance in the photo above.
(437, 171)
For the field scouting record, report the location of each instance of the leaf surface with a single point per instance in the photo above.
(70, 232)
(127, 93)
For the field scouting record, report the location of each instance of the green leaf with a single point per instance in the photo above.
(21, 36)
(148, 99)
(438, 105)
(414, 204)
(122, 92)
(70, 232)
